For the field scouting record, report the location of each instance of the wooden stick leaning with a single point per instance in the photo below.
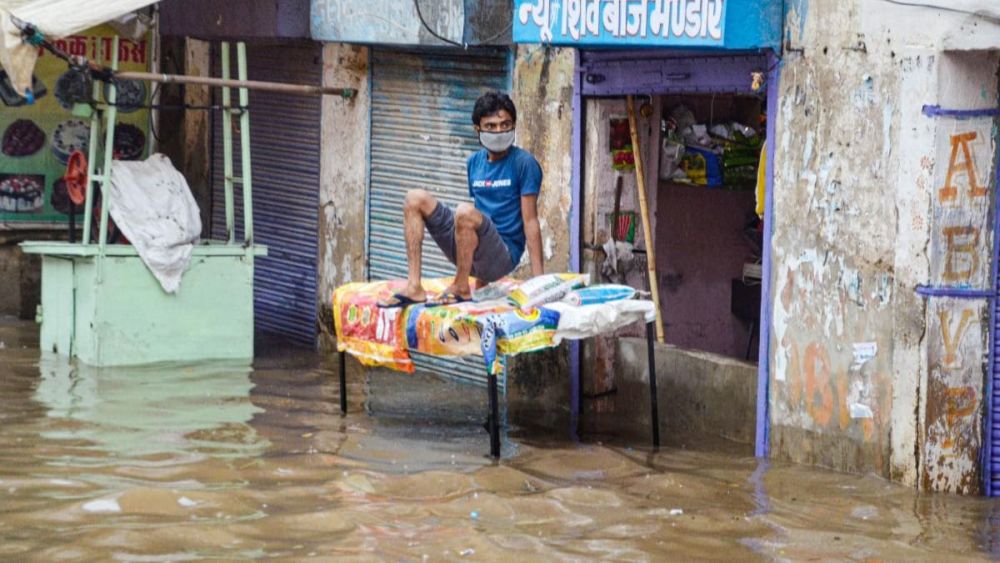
(647, 235)
(299, 89)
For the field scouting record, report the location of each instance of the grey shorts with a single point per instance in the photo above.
(491, 260)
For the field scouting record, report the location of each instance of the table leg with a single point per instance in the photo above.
(343, 383)
(654, 410)
(494, 422)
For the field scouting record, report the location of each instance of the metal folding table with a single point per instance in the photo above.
(494, 399)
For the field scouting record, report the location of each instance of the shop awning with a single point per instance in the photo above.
(715, 24)
(53, 18)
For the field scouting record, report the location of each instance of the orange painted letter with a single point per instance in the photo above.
(949, 191)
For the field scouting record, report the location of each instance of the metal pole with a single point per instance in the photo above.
(343, 383)
(225, 81)
(227, 148)
(245, 180)
(94, 152)
(654, 410)
(109, 149)
(494, 423)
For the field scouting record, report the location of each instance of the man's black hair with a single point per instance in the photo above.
(490, 103)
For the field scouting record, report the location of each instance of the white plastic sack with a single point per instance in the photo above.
(152, 204)
(585, 321)
(54, 18)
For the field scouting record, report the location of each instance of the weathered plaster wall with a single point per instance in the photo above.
(834, 243)
(538, 388)
(860, 378)
(343, 176)
(963, 194)
(543, 93)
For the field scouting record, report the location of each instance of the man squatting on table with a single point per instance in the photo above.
(485, 239)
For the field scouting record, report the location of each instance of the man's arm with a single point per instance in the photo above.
(532, 232)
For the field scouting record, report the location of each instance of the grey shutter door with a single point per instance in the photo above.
(992, 470)
(285, 155)
(421, 136)
(992, 455)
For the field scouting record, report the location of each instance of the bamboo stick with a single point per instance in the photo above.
(647, 235)
(297, 89)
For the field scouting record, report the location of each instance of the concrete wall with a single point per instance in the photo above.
(863, 377)
(538, 384)
(963, 194)
(705, 401)
(343, 177)
(387, 21)
(543, 93)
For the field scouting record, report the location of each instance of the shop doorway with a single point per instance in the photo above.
(709, 236)
(702, 123)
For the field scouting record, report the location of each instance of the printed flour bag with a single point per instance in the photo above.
(546, 289)
(515, 332)
(368, 332)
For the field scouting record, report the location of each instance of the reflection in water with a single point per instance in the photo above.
(219, 462)
(139, 411)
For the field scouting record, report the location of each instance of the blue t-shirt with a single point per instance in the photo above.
(496, 188)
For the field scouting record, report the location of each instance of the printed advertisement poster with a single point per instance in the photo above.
(38, 138)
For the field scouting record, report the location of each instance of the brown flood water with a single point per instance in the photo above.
(220, 462)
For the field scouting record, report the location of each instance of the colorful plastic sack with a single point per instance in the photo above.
(371, 334)
(516, 332)
(376, 336)
(702, 166)
(448, 330)
(546, 289)
(599, 294)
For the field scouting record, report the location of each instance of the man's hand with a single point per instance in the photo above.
(532, 233)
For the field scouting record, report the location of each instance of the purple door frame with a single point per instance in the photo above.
(617, 73)
(762, 443)
(990, 435)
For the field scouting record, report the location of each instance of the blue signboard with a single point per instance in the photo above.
(726, 24)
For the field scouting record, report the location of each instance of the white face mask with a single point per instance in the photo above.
(496, 142)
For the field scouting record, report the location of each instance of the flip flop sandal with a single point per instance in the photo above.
(398, 300)
(449, 298)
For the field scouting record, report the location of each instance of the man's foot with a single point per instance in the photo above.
(403, 299)
(451, 296)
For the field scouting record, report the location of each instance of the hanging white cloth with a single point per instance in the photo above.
(53, 18)
(152, 204)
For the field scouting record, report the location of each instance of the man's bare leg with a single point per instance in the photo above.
(419, 205)
(467, 222)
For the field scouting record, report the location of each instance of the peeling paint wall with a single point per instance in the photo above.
(543, 94)
(387, 21)
(962, 196)
(860, 378)
(537, 389)
(343, 176)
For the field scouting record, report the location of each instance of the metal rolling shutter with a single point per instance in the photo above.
(285, 150)
(421, 136)
(991, 447)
